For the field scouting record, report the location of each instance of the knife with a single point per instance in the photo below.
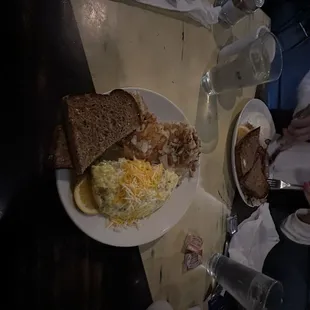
(281, 143)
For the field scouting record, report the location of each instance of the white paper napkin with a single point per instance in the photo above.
(293, 165)
(255, 238)
(200, 10)
(296, 230)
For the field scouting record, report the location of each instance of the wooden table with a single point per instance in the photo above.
(48, 260)
(128, 45)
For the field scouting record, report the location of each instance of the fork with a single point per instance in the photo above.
(279, 184)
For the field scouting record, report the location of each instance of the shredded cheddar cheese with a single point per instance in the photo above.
(129, 190)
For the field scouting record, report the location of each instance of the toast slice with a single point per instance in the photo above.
(245, 152)
(59, 156)
(254, 183)
(95, 122)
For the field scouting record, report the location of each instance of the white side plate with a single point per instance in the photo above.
(257, 114)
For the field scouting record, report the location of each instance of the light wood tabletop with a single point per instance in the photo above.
(129, 45)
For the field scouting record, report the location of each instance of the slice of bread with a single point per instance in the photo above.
(245, 152)
(95, 122)
(59, 156)
(254, 183)
(243, 130)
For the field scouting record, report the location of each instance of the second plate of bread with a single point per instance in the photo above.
(252, 132)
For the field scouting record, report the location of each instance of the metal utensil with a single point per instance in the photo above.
(279, 184)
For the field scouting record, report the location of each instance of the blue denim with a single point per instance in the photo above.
(290, 23)
(282, 94)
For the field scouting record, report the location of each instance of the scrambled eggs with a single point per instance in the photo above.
(129, 190)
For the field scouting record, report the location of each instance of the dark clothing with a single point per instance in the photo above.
(288, 261)
(290, 22)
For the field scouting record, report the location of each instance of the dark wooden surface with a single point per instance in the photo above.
(50, 264)
(46, 261)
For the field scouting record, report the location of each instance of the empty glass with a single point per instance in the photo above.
(252, 289)
(257, 63)
(234, 10)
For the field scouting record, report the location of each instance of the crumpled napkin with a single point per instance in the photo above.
(256, 236)
(200, 10)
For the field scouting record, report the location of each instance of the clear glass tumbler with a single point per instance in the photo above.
(257, 63)
(234, 10)
(252, 289)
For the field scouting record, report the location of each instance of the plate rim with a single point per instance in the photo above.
(234, 142)
(61, 193)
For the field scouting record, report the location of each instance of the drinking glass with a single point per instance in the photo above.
(252, 289)
(234, 10)
(257, 63)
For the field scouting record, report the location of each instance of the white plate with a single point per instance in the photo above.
(257, 114)
(159, 222)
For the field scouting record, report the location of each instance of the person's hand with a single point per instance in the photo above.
(299, 129)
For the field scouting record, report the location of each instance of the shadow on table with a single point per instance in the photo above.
(207, 114)
(227, 100)
(222, 36)
(207, 124)
(207, 121)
